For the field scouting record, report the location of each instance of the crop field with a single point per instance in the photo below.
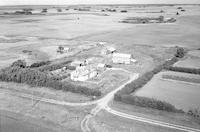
(181, 94)
(194, 53)
(190, 62)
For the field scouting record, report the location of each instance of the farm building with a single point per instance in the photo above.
(101, 66)
(121, 58)
(83, 73)
(101, 43)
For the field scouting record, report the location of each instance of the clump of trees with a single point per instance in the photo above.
(180, 52)
(56, 66)
(59, 10)
(123, 11)
(19, 73)
(194, 113)
(44, 10)
(19, 63)
(38, 64)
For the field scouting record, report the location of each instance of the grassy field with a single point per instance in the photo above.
(182, 95)
(194, 53)
(58, 118)
(189, 62)
(44, 92)
(107, 122)
(170, 117)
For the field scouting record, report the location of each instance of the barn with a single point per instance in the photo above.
(121, 58)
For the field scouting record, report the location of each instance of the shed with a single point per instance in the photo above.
(121, 58)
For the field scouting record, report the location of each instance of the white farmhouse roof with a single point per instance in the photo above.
(122, 55)
(102, 43)
(111, 49)
(101, 65)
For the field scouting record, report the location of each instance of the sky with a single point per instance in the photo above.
(62, 2)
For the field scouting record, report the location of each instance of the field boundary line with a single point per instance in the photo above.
(179, 81)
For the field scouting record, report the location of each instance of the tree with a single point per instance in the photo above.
(19, 63)
(180, 52)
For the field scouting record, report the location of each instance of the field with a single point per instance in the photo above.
(181, 94)
(189, 63)
(36, 37)
(192, 60)
(55, 117)
(37, 31)
(194, 53)
(43, 92)
(109, 123)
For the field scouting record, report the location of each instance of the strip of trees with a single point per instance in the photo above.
(179, 78)
(19, 73)
(183, 69)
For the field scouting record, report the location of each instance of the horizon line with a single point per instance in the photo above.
(98, 4)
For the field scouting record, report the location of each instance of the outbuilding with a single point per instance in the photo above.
(121, 58)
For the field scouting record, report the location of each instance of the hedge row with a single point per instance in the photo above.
(125, 96)
(35, 77)
(184, 69)
(149, 102)
(53, 67)
(185, 79)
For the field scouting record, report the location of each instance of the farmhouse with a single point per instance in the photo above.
(83, 73)
(121, 58)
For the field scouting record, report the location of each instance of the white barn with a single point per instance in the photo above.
(83, 73)
(121, 58)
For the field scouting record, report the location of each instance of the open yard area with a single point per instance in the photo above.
(181, 94)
